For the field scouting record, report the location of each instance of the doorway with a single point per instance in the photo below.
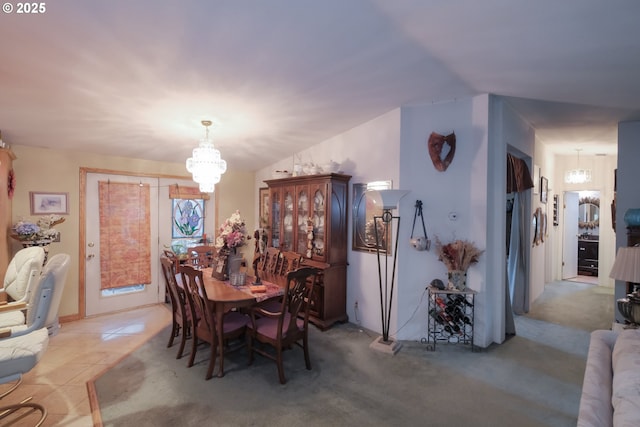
(581, 238)
(101, 300)
(91, 300)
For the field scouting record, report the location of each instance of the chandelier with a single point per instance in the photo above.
(205, 165)
(577, 176)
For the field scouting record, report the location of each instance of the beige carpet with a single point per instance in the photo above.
(533, 379)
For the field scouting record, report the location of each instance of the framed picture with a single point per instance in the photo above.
(365, 208)
(536, 179)
(43, 203)
(219, 267)
(544, 188)
(263, 202)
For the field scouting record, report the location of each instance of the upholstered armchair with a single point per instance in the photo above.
(22, 273)
(22, 348)
(11, 314)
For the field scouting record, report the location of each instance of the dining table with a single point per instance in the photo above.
(226, 297)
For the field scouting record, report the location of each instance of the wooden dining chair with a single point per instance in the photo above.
(204, 328)
(181, 316)
(289, 261)
(201, 256)
(270, 263)
(263, 261)
(287, 326)
(173, 257)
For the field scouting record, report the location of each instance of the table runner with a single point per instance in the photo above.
(272, 290)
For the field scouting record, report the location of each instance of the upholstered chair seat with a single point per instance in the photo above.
(20, 354)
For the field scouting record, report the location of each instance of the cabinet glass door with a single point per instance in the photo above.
(303, 216)
(287, 238)
(319, 217)
(276, 219)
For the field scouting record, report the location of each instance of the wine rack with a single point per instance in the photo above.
(450, 317)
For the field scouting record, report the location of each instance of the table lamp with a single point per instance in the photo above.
(627, 269)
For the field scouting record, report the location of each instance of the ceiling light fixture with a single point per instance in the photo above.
(577, 176)
(206, 165)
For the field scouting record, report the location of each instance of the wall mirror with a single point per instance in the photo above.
(589, 212)
(366, 205)
(538, 225)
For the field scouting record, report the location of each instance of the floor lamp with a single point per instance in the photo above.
(384, 233)
(627, 269)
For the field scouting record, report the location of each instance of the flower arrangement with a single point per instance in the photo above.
(233, 232)
(42, 230)
(458, 255)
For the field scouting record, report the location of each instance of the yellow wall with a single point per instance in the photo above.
(41, 169)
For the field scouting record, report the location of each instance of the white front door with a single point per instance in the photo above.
(570, 240)
(96, 300)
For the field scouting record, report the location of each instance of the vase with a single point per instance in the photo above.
(234, 262)
(632, 217)
(457, 280)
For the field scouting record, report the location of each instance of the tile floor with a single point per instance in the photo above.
(80, 351)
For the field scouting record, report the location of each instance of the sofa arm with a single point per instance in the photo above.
(595, 401)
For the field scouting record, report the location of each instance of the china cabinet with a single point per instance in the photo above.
(308, 215)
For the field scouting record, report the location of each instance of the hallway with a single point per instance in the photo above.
(575, 304)
(591, 280)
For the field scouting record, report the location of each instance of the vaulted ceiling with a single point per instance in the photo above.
(135, 78)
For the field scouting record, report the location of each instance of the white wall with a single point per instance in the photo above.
(628, 196)
(461, 189)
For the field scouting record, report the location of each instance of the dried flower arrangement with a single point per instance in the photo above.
(458, 255)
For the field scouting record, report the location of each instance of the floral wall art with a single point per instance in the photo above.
(188, 218)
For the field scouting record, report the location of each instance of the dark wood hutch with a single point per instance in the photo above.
(309, 216)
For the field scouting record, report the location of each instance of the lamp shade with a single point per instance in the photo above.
(627, 265)
(390, 198)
